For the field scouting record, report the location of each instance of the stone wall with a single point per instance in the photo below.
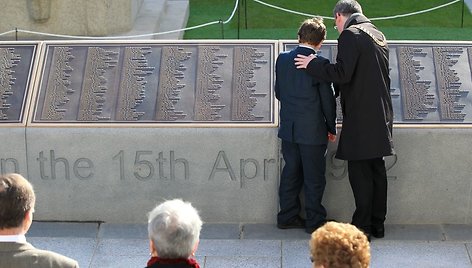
(79, 121)
(69, 17)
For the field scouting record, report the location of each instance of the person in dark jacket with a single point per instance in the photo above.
(174, 230)
(361, 74)
(307, 121)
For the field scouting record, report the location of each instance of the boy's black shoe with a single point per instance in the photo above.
(378, 231)
(295, 223)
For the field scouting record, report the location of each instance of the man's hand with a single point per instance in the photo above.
(331, 137)
(301, 61)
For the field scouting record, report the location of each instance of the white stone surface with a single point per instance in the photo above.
(71, 17)
(230, 174)
(119, 174)
(13, 150)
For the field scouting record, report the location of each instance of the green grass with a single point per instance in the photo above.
(448, 23)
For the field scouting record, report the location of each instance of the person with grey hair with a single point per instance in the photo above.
(17, 201)
(174, 231)
(361, 76)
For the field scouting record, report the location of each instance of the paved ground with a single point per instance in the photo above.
(252, 245)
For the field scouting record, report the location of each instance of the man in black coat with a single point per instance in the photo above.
(361, 73)
(307, 121)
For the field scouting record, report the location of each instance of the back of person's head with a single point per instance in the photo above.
(16, 199)
(312, 31)
(347, 7)
(174, 228)
(339, 245)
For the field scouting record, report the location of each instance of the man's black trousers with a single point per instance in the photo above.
(368, 180)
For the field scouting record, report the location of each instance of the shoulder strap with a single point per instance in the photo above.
(379, 42)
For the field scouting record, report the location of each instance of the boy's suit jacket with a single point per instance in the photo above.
(308, 105)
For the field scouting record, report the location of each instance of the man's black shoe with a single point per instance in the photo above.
(368, 236)
(378, 232)
(310, 230)
(294, 223)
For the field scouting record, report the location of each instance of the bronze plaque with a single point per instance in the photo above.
(16, 71)
(156, 82)
(430, 81)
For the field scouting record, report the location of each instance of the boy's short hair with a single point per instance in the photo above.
(312, 31)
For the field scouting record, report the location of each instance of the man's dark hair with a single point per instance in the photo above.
(16, 199)
(312, 31)
(347, 7)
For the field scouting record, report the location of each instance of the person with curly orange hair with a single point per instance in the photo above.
(339, 245)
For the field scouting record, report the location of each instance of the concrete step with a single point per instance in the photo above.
(251, 245)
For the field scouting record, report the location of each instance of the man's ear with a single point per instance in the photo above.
(28, 220)
(195, 248)
(152, 248)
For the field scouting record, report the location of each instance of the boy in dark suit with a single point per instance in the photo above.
(307, 122)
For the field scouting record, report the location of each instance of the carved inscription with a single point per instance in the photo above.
(58, 87)
(208, 83)
(145, 166)
(469, 52)
(132, 87)
(449, 83)
(249, 168)
(171, 72)
(153, 166)
(430, 81)
(49, 164)
(339, 112)
(101, 83)
(244, 98)
(8, 60)
(9, 165)
(338, 169)
(167, 166)
(94, 88)
(442, 97)
(417, 101)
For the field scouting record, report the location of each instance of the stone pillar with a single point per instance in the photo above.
(39, 10)
(97, 13)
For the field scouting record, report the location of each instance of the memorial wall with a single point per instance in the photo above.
(105, 130)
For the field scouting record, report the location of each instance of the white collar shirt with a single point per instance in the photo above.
(13, 238)
(307, 47)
